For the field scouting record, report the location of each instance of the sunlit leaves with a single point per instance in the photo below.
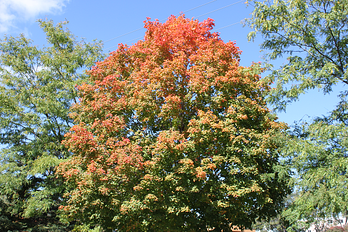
(37, 88)
(319, 159)
(312, 35)
(173, 135)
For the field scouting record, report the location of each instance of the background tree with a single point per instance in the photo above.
(37, 87)
(277, 223)
(313, 36)
(173, 135)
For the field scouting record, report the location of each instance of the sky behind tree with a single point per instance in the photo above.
(116, 22)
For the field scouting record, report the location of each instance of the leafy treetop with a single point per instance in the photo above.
(173, 135)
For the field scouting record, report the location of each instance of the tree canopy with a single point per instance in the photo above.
(172, 134)
(313, 36)
(37, 88)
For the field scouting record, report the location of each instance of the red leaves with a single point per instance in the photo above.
(172, 114)
(91, 167)
(80, 139)
(179, 32)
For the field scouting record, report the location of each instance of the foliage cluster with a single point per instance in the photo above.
(37, 87)
(173, 134)
(313, 36)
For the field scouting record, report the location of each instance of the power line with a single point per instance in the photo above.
(199, 6)
(229, 25)
(220, 8)
(215, 29)
(161, 20)
(125, 42)
(183, 12)
(124, 34)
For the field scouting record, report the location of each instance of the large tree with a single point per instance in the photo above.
(37, 88)
(173, 134)
(313, 37)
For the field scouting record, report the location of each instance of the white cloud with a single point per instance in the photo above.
(13, 11)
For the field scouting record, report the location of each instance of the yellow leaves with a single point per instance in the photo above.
(185, 209)
(180, 189)
(211, 166)
(115, 202)
(104, 190)
(186, 166)
(206, 117)
(71, 173)
(151, 197)
(223, 204)
(148, 177)
(207, 163)
(124, 209)
(171, 210)
(187, 162)
(149, 164)
(239, 139)
(255, 188)
(219, 159)
(137, 188)
(167, 117)
(169, 177)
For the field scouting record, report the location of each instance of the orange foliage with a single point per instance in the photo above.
(172, 126)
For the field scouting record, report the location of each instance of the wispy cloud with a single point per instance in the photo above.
(13, 11)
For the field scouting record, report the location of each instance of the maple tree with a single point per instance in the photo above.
(37, 87)
(172, 134)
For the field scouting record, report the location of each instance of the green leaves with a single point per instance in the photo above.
(320, 161)
(173, 134)
(313, 34)
(37, 88)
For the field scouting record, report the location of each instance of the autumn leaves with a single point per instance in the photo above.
(172, 123)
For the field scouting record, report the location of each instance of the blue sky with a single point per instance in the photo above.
(115, 21)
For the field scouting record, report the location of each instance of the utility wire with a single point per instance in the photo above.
(183, 12)
(229, 25)
(161, 20)
(124, 34)
(126, 42)
(215, 29)
(220, 8)
(199, 6)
